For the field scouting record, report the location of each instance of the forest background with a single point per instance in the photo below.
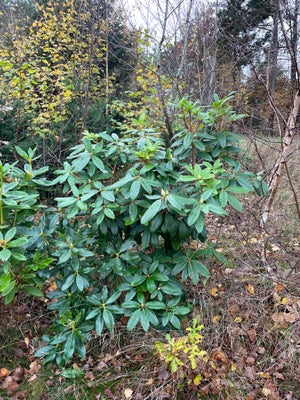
(195, 82)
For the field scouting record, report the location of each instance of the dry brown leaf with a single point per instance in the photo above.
(34, 368)
(250, 360)
(69, 389)
(291, 317)
(278, 375)
(270, 391)
(278, 287)
(278, 317)
(219, 356)
(138, 358)
(249, 373)
(18, 374)
(33, 378)
(10, 384)
(281, 317)
(252, 335)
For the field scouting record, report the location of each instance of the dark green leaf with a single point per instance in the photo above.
(72, 373)
(134, 319)
(68, 282)
(98, 163)
(34, 291)
(43, 351)
(193, 215)
(108, 319)
(135, 189)
(152, 211)
(234, 202)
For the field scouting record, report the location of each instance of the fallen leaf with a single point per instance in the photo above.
(52, 287)
(264, 375)
(34, 368)
(278, 375)
(270, 391)
(250, 288)
(214, 292)
(249, 373)
(216, 319)
(4, 372)
(18, 374)
(10, 384)
(285, 300)
(274, 247)
(278, 287)
(197, 379)
(250, 360)
(219, 356)
(33, 378)
(238, 319)
(69, 389)
(291, 317)
(252, 335)
(109, 393)
(128, 393)
(138, 358)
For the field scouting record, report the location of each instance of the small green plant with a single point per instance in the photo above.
(184, 353)
(192, 367)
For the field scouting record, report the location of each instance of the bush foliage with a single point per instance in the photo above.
(115, 243)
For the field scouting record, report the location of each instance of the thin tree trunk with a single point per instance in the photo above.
(277, 170)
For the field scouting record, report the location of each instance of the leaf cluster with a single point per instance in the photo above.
(119, 239)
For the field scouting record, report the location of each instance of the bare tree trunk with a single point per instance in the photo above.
(273, 67)
(279, 166)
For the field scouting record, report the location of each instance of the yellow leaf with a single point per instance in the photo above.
(265, 375)
(250, 288)
(253, 240)
(214, 292)
(197, 379)
(238, 319)
(4, 372)
(216, 319)
(285, 300)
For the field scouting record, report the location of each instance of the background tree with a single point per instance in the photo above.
(54, 73)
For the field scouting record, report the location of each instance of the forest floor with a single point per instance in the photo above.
(250, 311)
